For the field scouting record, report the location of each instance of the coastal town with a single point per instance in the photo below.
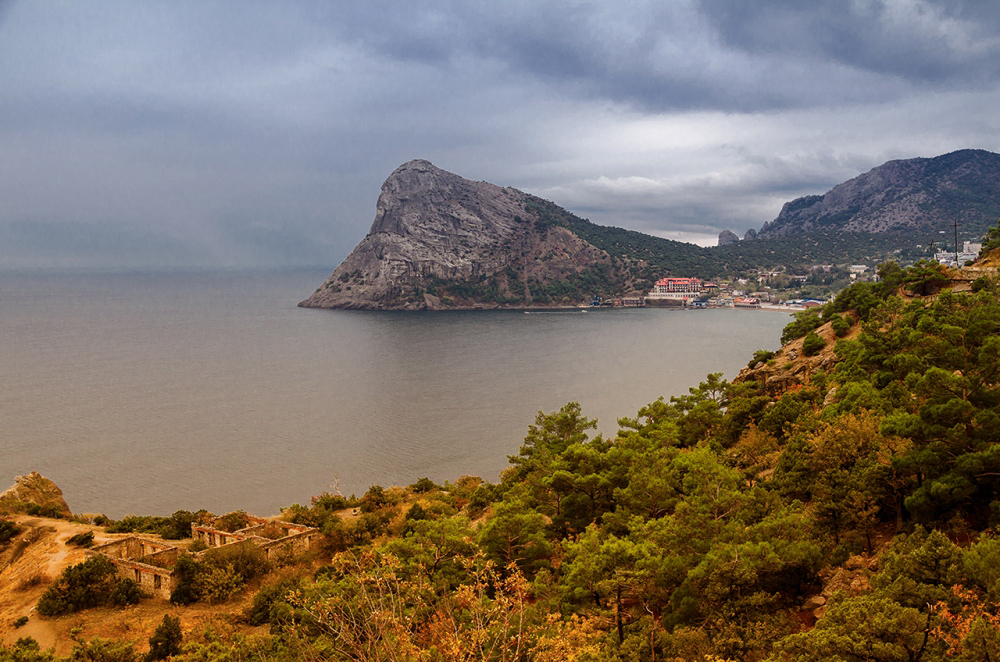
(741, 293)
(776, 290)
(684, 292)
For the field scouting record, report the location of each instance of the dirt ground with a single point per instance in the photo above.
(45, 555)
(24, 580)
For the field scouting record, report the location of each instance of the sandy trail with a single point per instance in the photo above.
(47, 555)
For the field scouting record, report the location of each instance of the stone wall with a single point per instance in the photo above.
(213, 537)
(152, 579)
(132, 547)
(150, 562)
(296, 538)
(292, 545)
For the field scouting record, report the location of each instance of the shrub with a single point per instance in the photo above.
(233, 521)
(219, 583)
(760, 355)
(981, 283)
(336, 535)
(423, 485)
(812, 344)
(991, 239)
(126, 592)
(87, 584)
(925, 277)
(8, 530)
(36, 578)
(178, 525)
(376, 498)
(841, 326)
(188, 573)
(483, 496)
(266, 604)
(166, 639)
(332, 502)
(219, 575)
(175, 527)
(104, 650)
(21, 622)
(804, 322)
(85, 539)
(246, 560)
(36, 510)
(414, 514)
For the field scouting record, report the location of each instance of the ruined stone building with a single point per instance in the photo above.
(150, 562)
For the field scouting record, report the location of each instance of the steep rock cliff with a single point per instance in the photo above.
(439, 240)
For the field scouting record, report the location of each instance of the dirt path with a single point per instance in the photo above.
(23, 581)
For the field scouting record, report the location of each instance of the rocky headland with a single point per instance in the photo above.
(442, 241)
(34, 492)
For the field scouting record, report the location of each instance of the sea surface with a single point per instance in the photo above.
(147, 393)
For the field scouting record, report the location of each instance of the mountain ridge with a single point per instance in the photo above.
(440, 241)
(902, 194)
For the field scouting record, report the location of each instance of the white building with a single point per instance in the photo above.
(675, 290)
(945, 257)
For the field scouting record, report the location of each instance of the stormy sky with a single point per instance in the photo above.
(258, 134)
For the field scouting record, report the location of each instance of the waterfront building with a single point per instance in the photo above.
(675, 291)
(746, 302)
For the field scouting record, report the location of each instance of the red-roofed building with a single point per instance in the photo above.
(677, 291)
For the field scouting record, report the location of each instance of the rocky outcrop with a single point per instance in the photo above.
(750, 235)
(790, 367)
(904, 194)
(34, 493)
(439, 241)
(727, 237)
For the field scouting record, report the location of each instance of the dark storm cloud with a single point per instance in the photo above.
(712, 54)
(259, 133)
(948, 43)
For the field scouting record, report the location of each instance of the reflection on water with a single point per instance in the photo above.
(148, 393)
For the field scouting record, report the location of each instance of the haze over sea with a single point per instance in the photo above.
(147, 393)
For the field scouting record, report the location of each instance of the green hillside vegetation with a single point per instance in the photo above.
(852, 518)
(639, 260)
(666, 257)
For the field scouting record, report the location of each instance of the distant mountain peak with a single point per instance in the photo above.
(901, 194)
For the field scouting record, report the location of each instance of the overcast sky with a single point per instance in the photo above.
(243, 133)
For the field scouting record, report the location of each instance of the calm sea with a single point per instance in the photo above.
(147, 393)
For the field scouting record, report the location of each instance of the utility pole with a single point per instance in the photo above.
(955, 225)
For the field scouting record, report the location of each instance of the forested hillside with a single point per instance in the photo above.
(662, 256)
(845, 511)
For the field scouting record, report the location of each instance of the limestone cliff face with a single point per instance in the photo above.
(433, 227)
(911, 193)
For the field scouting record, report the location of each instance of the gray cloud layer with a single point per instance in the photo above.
(259, 133)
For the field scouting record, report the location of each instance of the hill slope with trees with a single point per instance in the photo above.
(836, 501)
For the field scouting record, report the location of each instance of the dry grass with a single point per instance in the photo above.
(37, 578)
